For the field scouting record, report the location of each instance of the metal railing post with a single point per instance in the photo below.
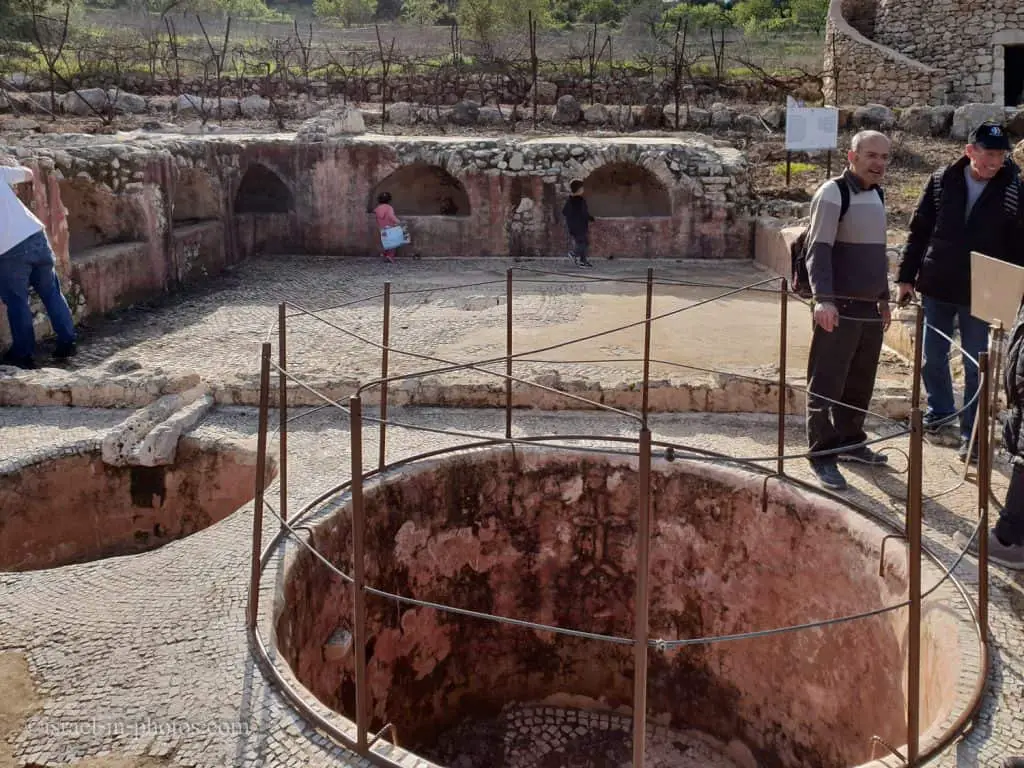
(261, 471)
(385, 348)
(641, 628)
(984, 486)
(783, 343)
(508, 354)
(358, 571)
(914, 502)
(282, 407)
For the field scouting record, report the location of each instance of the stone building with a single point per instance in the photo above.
(904, 52)
(131, 220)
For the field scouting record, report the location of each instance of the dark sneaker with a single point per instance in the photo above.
(25, 363)
(863, 455)
(934, 424)
(64, 351)
(586, 263)
(829, 476)
(962, 452)
(1014, 762)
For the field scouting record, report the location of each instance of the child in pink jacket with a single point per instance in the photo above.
(386, 217)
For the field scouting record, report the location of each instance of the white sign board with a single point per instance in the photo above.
(809, 128)
(997, 288)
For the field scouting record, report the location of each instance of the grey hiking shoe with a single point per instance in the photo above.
(1011, 557)
(829, 476)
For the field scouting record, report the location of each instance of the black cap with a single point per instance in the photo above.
(990, 135)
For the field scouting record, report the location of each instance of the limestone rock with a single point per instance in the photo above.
(87, 101)
(876, 116)
(721, 117)
(942, 119)
(775, 117)
(596, 114)
(916, 120)
(970, 116)
(490, 116)
(160, 446)
(340, 121)
(697, 118)
(127, 103)
(254, 107)
(402, 113)
(749, 124)
(567, 111)
(1018, 155)
(465, 113)
(547, 93)
(122, 444)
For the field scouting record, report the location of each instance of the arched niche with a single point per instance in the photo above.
(263, 191)
(626, 190)
(96, 216)
(423, 190)
(197, 197)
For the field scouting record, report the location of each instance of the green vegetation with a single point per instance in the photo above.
(779, 169)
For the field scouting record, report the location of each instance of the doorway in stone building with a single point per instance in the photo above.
(1014, 74)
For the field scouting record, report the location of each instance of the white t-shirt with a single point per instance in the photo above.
(16, 221)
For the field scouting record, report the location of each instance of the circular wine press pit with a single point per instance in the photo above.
(76, 508)
(550, 537)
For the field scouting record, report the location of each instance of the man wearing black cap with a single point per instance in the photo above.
(972, 205)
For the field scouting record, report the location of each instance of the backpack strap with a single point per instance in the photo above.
(844, 195)
(1011, 197)
(936, 183)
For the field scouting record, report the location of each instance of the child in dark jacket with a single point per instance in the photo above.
(577, 221)
(1006, 540)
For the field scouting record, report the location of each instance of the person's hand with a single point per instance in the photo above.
(886, 313)
(826, 315)
(906, 293)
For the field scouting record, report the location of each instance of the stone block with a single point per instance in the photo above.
(567, 111)
(970, 116)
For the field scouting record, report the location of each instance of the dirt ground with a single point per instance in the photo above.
(20, 701)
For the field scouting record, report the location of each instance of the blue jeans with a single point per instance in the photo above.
(30, 263)
(938, 381)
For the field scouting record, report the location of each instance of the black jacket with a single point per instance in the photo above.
(1013, 382)
(577, 216)
(937, 257)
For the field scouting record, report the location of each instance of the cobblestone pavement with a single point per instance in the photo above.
(217, 332)
(146, 655)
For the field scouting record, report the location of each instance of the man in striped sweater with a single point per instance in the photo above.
(848, 272)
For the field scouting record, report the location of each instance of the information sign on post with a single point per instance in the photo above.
(809, 129)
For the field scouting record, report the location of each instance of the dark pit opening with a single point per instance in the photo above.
(626, 190)
(76, 508)
(423, 190)
(262, 191)
(1014, 75)
(550, 537)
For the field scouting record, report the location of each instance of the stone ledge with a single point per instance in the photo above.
(709, 394)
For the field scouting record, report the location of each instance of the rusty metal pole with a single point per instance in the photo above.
(914, 502)
(647, 345)
(282, 407)
(641, 629)
(915, 396)
(984, 484)
(508, 354)
(783, 343)
(995, 364)
(358, 571)
(385, 344)
(261, 470)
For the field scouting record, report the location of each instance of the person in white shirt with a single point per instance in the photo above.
(27, 260)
